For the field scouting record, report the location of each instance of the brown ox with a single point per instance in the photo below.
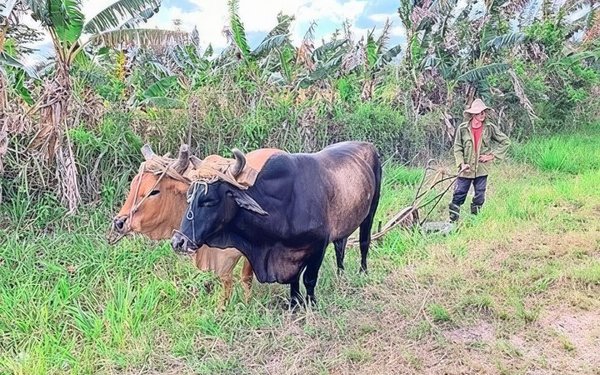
(157, 201)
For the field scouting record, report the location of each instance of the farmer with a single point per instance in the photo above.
(477, 143)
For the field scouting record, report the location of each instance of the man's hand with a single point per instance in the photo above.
(486, 158)
(464, 167)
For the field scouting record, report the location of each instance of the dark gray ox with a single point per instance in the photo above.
(298, 204)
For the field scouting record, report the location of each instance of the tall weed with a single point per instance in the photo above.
(572, 153)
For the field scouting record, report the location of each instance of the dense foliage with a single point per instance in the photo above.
(70, 126)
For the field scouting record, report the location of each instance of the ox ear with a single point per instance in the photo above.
(245, 201)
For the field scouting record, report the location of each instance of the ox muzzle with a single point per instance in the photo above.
(119, 224)
(182, 244)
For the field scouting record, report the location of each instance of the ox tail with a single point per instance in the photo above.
(367, 224)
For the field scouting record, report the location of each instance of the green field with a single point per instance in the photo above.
(514, 290)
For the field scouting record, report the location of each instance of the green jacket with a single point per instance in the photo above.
(493, 141)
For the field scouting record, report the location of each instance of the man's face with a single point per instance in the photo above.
(480, 116)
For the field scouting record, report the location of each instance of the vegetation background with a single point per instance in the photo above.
(480, 300)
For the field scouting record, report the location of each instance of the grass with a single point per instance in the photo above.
(492, 297)
(568, 153)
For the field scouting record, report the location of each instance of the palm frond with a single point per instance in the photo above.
(326, 48)
(355, 57)
(464, 14)
(40, 11)
(161, 87)
(371, 50)
(269, 44)
(286, 56)
(384, 37)
(430, 61)
(506, 40)
(18, 86)
(309, 36)
(583, 13)
(404, 12)
(571, 6)
(158, 69)
(392, 52)
(112, 16)
(180, 56)
(91, 73)
(567, 61)
(143, 16)
(324, 70)
(347, 27)
(483, 90)
(237, 29)
(305, 53)
(283, 26)
(7, 9)
(66, 19)
(483, 72)
(187, 58)
(7, 60)
(141, 37)
(546, 8)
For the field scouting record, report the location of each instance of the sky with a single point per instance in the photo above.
(259, 17)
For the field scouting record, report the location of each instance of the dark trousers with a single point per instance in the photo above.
(462, 189)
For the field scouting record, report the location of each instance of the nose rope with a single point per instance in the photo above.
(111, 239)
(137, 190)
(189, 215)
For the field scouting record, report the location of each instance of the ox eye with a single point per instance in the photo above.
(208, 204)
(154, 192)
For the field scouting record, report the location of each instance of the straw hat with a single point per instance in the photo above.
(477, 106)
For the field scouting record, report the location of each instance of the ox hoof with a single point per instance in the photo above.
(208, 286)
(311, 301)
(295, 303)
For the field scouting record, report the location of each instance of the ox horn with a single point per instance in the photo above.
(240, 162)
(183, 161)
(147, 152)
(196, 161)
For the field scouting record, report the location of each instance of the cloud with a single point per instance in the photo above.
(90, 8)
(382, 17)
(258, 16)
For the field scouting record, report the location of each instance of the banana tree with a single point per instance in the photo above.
(65, 23)
(376, 56)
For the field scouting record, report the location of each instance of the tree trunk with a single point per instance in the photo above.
(52, 142)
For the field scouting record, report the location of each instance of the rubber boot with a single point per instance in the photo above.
(475, 208)
(454, 212)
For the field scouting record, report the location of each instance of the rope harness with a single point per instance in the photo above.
(216, 168)
(189, 215)
(212, 169)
